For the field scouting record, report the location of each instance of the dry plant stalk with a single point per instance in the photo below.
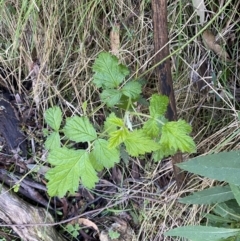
(163, 72)
(115, 39)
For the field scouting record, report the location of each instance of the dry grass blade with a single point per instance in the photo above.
(115, 39)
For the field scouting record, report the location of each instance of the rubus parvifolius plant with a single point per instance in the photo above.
(125, 129)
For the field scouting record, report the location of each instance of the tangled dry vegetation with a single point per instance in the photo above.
(49, 47)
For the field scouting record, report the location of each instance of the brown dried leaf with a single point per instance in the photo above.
(115, 39)
(87, 223)
(210, 43)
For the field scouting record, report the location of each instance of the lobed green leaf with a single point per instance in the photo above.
(96, 165)
(162, 152)
(111, 97)
(70, 166)
(52, 141)
(108, 72)
(104, 155)
(79, 129)
(138, 143)
(112, 122)
(118, 137)
(87, 173)
(151, 128)
(53, 117)
(175, 137)
(158, 105)
(132, 89)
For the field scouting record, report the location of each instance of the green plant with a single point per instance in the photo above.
(73, 229)
(224, 221)
(113, 234)
(138, 133)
